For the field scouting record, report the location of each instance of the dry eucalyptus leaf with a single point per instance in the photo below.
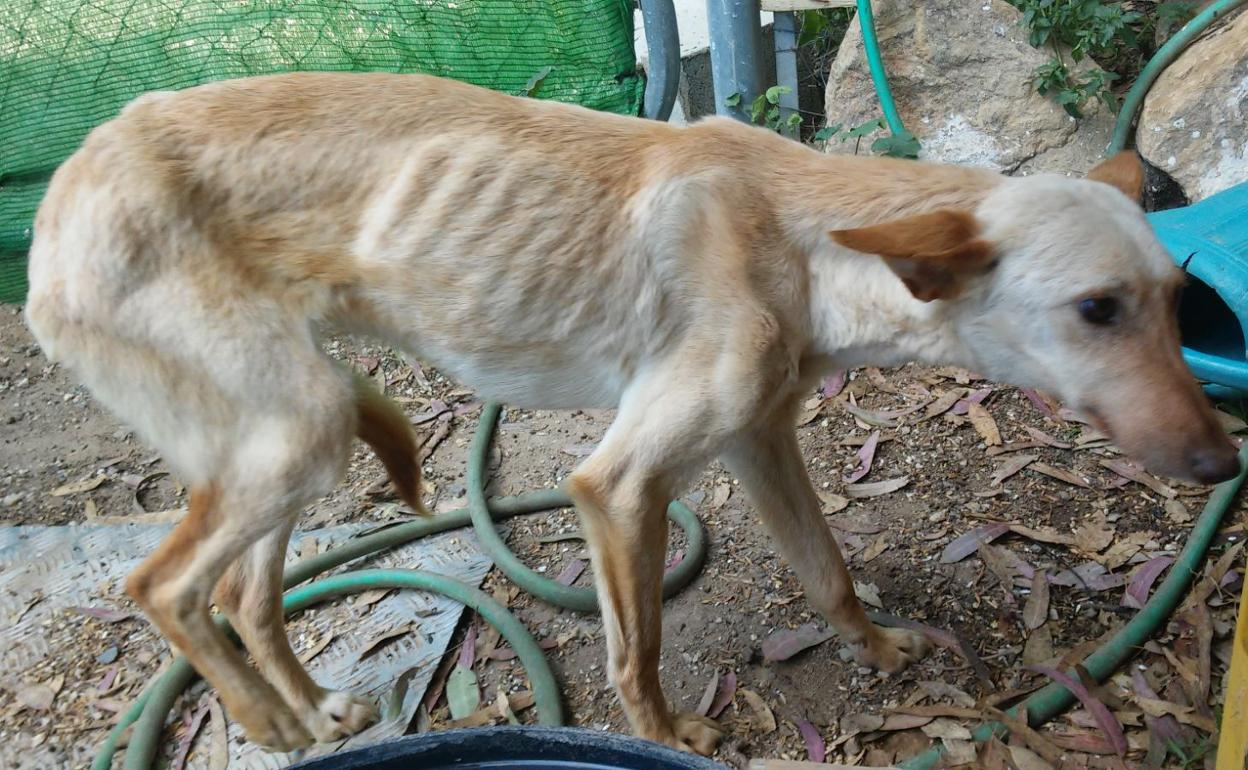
(77, 487)
(763, 720)
(983, 424)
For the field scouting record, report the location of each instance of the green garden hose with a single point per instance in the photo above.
(866, 21)
(568, 597)
(150, 710)
(1054, 698)
(1162, 59)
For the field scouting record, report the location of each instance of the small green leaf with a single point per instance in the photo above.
(775, 92)
(827, 132)
(463, 694)
(732, 100)
(758, 108)
(535, 82)
(863, 129)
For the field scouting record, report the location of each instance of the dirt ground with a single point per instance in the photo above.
(63, 460)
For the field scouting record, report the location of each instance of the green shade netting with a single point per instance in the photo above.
(69, 65)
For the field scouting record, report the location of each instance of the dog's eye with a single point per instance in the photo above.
(1101, 311)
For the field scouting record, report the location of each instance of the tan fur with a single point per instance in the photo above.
(187, 256)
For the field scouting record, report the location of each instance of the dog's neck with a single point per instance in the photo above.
(860, 312)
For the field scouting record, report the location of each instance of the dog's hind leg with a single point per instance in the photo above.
(174, 586)
(767, 461)
(250, 594)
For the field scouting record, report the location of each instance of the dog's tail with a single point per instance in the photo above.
(384, 427)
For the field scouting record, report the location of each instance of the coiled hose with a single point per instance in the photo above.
(150, 710)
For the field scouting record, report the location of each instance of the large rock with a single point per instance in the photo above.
(961, 77)
(1194, 124)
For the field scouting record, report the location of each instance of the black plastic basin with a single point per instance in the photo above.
(523, 748)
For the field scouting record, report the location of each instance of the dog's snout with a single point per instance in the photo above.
(1212, 465)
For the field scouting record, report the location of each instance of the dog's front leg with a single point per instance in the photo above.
(767, 461)
(621, 493)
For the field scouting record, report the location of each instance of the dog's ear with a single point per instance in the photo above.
(1124, 171)
(934, 254)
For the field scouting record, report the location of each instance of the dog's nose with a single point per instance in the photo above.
(1210, 466)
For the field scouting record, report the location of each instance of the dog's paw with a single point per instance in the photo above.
(274, 727)
(339, 715)
(696, 734)
(891, 649)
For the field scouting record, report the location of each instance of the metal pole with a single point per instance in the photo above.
(663, 64)
(785, 29)
(736, 55)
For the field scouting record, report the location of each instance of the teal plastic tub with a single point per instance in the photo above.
(1210, 241)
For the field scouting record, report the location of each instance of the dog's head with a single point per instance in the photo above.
(1060, 284)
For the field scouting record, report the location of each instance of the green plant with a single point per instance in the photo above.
(1104, 31)
(903, 144)
(765, 109)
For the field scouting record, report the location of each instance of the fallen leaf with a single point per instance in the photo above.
(866, 454)
(1047, 406)
(468, 648)
(895, 722)
(504, 707)
(571, 572)
(1156, 707)
(77, 487)
(857, 723)
(1085, 743)
(877, 547)
(832, 502)
(188, 737)
(946, 728)
(937, 691)
(875, 419)
(785, 643)
(869, 593)
(463, 694)
(1036, 609)
(1038, 649)
(1011, 467)
(316, 649)
(1001, 565)
(369, 598)
(876, 488)
(983, 424)
(727, 693)
(108, 656)
(1061, 474)
(1129, 470)
(763, 720)
(1045, 438)
(219, 747)
(816, 749)
(38, 697)
(1142, 580)
(974, 397)
(381, 640)
(968, 543)
(810, 410)
(943, 403)
(1026, 759)
(1108, 723)
(720, 496)
(1095, 533)
(1177, 512)
(857, 524)
(708, 695)
(1090, 575)
(833, 384)
(579, 450)
(1043, 535)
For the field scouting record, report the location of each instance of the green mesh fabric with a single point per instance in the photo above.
(68, 65)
